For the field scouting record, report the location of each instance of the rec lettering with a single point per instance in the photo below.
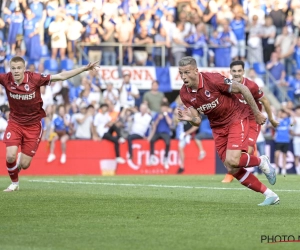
(22, 97)
(208, 106)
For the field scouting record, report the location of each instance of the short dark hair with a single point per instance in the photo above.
(103, 105)
(187, 60)
(164, 104)
(17, 59)
(90, 106)
(236, 63)
(297, 107)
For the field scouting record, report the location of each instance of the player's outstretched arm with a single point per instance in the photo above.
(71, 73)
(267, 106)
(240, 88)
(190, 115)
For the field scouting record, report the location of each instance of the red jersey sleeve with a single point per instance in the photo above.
(218, 81)
(256, 92)
(41, 79)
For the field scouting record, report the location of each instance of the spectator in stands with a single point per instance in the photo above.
(140, 53)
(161, 38)
(2, 31)
(128, 92)
(184, 131)
(104, 129)
(277, 72)
(109, 53)
(255, 8)
(51, 10)
(4, 64)
(3, 122)
(47, 96)
(297, 53)
(295, 6)
(57, 31)
(31, 68)
(94, 78)
(84, 122)
(74, 33)
(238, 26)
(94, 38)
(140, 124)
(286, 42)
(294, 88)
(227, 41)
(199, 42)
(31, 35)
(72, 9)
(269, 33)
(153, 98)
(253, 76)
(125, 34)
(178, 43)
(14, 21)
(255, 53)
(278, 14)
(204, 132)
(296, 138)
(282, 139)
(112, 94)
(161, 129)
(87, 96)
(38, 10)
(61, 129)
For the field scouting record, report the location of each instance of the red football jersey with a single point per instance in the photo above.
(214, 99)
(25, 100)
(257, 95)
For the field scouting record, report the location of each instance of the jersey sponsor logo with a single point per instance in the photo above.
(193, 99)
(235, 146)
(22, 97)
(208, 106)
(227, 81)
(207, 93)
(8, 135)
(26, 86)
(44, 75)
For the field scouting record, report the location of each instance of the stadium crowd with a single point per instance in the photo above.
(262, 33)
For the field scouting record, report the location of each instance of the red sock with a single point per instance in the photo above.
(250, 181)
(247, 160)
(13, 171)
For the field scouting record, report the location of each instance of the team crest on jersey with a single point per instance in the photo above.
(207, 93)
(26, 86)
(8, 135)
(44, 75)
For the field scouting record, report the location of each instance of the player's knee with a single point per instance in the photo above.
(11, 158)
(233, 162)
(24, 164)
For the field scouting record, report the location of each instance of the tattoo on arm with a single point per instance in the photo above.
(195, 121)
(249, 98)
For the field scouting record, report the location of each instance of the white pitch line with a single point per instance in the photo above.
(152, 185)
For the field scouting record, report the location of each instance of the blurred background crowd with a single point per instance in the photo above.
(59, 35)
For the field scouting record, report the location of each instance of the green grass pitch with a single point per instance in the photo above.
(145, 212)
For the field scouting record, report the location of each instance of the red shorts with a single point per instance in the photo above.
(254, 130)
(234, 137)
(28, 137)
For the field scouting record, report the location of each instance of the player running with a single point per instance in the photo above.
(24, 126)
(211, 93)
(237, 72)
